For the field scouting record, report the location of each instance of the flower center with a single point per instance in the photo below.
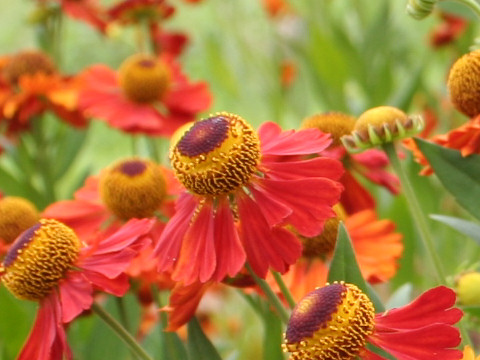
(330, 323)
(38, 259)
(216, 155)
(334, 123)
(16, 215)
(27, 63)
(323, 244)
(144, 78)
(133, 188)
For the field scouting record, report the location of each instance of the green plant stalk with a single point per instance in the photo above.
(284, 289)
(421, 222)
(415, 211)
(122, 333)
(271, 296)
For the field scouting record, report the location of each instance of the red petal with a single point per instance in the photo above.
(316, 167)
(47, 339)
(311, 201)
(355, 197)
(75, 295)
(431, 342)
(188, 98)
(275, 142)
(117, 286)
(433, 306)
(197, 260)
(265, 247)
(168, 247)
(228, 247)
(274, 211)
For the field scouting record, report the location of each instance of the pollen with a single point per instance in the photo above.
(323, 244)
(336, 124)
(16, 215)
(144, 78)
(133, 188)
(38, 259)
(330, 323)
(28, 62)
(217, 155)
(464, 84)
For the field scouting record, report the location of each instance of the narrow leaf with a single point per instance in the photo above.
(460, 175)
(465, 227)
(344, 267)
(199, 346)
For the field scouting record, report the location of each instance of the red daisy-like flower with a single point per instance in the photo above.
(370, 164)
(449, 30)
(147, 95)
(338, 320)
(239, 196)
(50, 265)
(135, 11)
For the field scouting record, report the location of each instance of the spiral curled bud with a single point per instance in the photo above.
(420, 9)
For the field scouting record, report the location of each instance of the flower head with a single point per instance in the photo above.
(338, 320)
(468, 288)
(464, 84)
(241, 188)
(50, 265)
(148, 94)
(380, 125)
(16, 215)
(369, 164)
(29, 62)
(135, 11)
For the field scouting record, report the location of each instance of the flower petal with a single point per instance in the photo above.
(76, 295)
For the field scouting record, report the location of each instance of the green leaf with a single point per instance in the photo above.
(460, 175)
(344, 267)
(199, 346)
(273, 336)
(468, 228)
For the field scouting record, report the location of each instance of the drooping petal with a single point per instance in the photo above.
(47, 340)
(228, 247)
(275, 142)
(168, 246)
(355, 197)
(433, 306)
(432, 342)
(183, 303)
(117, 286)
(311, 201)
(76, 295)
(265, 247)
(197, 259)
(188, 98)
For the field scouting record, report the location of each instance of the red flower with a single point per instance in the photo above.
(134, 11)
(448, 30)
(240, 196)
(148, 95)
(49, 264)
(338, 321)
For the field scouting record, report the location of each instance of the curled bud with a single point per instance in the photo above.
(420, 9)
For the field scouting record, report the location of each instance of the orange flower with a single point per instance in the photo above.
(468, 354)
(147, 95)
(465, 138)
(276, 7)
(376, 244)
(29, 86)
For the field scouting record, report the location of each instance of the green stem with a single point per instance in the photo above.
(421, 222)
(284, 289)
(415, 211)
(271, 296)
(123, 334)
(122, 311)
(472, 4)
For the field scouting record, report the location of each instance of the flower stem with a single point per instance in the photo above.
(123, 334)
(415, 211)
(284, 289)
(270, 294)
